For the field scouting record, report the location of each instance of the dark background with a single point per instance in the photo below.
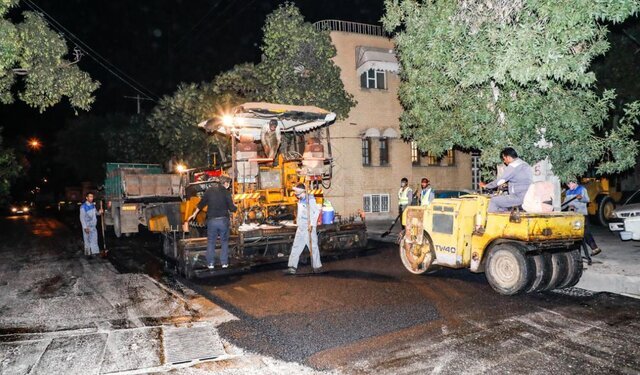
(160, 43)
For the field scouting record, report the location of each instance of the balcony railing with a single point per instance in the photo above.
(350, 27)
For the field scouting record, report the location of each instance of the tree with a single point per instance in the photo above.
(296, 69)
(9, 169)
(34, 53)
(481, 74)
(297, 66)
(175, 121)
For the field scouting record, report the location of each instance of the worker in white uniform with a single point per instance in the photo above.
(307, 208)
(89, 220)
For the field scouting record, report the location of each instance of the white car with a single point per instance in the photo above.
(626, 218)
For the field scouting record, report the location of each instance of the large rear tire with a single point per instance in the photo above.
(543, 270)
(559, 270)
(574, 269)
(606, 205)
(508, 270)
(117, 229)
(417, 258)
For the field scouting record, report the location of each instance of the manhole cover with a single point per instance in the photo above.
(195, 343)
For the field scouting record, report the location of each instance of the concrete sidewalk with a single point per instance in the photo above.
(615, 270)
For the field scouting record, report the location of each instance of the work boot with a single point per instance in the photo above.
(290, 271)
(211, 266)
(317, 270)
(595, 251)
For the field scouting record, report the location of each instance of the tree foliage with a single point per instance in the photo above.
(9, 169)
(34, 55)
(481, 74)
(175, 121)
(297, 66)
(88, 142)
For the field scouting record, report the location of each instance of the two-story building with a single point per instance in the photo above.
(370, 157)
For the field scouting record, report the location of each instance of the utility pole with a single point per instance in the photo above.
(138, 99)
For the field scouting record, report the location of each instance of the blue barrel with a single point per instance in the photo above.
(327, 215)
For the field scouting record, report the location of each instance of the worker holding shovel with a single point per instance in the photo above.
(306, 234)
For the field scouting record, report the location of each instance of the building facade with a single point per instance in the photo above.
(370, 157)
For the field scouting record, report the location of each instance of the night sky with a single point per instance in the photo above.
(160, 43)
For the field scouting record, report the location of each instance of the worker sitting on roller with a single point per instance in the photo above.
(518, 175)
(270, 137)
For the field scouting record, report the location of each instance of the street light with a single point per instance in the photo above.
(181, 168)
(34, 144)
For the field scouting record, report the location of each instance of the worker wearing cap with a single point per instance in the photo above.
(219, 203)
(426, 193)
(307, 220)
(518, 175)
(270, 137)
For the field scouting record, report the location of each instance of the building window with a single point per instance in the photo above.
(475, 171)
(375, 203)
(446, 160)
(384, 151)
(366, 151)
(373, 79)
(415, 155)
(450, 158)
(432, 160)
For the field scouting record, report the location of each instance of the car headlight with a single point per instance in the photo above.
(577, 224)
(13, 209)
(25, 209)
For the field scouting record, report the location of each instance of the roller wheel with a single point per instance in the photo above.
(416, 258)
(508, 270)
(574, 269)
(543, 270)
(559, 270)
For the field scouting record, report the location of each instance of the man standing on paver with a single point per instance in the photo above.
(576, 199)
(219, 203)
(89, 220)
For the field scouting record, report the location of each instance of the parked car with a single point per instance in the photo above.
(626, 218)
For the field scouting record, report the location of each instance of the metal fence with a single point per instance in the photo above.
(350, 27)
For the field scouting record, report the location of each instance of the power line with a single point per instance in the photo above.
(197, 24)
(93, 54)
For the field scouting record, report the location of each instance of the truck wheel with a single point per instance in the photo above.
(416, 258)
(559, 270)
(543, 272)
(606, 205)
(508, 270)
(116, 224)
(574, 266)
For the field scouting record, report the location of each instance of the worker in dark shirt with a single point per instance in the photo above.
(217, 199)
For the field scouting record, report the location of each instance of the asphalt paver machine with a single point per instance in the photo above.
(264, 226)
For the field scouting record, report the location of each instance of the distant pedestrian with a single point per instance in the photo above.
(405, 196)
(576, 199)
(219, 203)
(307, 220)
(89, 221)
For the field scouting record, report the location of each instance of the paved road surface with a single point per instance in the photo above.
(368, 315)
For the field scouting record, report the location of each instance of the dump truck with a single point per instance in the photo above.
(518, 251)
(263, 228)
(603, 195)
(135, 192)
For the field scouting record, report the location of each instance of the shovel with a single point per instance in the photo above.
(104, 239)
(391, 227)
